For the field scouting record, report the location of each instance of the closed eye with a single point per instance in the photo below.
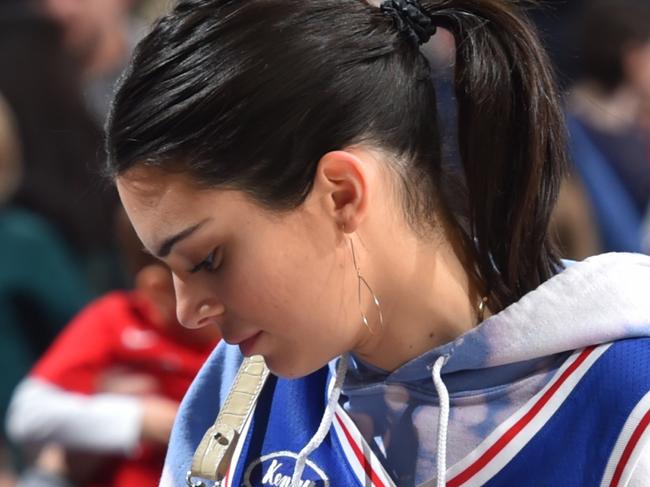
(210, 263)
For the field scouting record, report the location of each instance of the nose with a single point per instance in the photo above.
(196, 303)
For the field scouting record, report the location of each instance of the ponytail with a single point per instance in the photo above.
(512, 143)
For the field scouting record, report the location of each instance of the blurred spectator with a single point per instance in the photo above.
(573, 221)
(60, 140)
(646, 232)
(41, 287)
(150, 10)
(10, 154)
(9, 178)
(107, 390)
(609, 111)
(100, 34)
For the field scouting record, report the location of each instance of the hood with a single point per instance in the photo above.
(599, 300)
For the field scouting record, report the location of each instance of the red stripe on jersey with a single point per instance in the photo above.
(509, 435)
(367, 467)
(629, 448)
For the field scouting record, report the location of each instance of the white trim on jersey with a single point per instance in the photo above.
(366, 466)
(634, 436)
(494, 453)
(509, 438)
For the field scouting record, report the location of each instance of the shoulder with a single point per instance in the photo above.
(25, 227)
(624, 362)
(114, 300)
(97, 326)
(620, 377)
(625, 394)
(629, 359)
(111, 310)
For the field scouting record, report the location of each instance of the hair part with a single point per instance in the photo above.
(250, 95)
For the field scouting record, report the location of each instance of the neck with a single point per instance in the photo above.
(427, 300)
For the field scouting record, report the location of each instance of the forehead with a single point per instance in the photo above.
(159, 203)
(147, 188)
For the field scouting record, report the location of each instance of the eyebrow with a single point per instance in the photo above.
(167, 245)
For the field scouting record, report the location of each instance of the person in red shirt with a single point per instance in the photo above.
(107, 390)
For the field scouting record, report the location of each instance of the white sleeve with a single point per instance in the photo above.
(41, 412)
(641, 474)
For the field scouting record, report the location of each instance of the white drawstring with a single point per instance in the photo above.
(443, 420)
(325, 424)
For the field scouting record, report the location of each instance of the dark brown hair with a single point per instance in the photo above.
(251, 94)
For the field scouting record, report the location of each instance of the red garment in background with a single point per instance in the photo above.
(117, 332)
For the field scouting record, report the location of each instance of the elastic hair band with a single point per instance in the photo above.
(410, 19)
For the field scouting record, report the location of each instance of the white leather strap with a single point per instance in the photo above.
(213, 455)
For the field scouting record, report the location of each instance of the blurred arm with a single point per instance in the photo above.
(41, 412)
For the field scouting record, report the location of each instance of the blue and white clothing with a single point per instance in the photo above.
(554, 390)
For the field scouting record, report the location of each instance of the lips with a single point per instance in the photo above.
(211, 321)
(232, 339)
(247, 345)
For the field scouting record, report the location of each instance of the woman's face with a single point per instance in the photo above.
(279, 285)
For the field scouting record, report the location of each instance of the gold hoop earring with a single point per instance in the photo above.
(481, 308)
(361, 280)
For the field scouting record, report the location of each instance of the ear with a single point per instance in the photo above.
(342, 186)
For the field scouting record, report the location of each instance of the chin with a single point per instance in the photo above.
(287, 369)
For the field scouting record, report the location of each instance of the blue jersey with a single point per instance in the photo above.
(586, 427)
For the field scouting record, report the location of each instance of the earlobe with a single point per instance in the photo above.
(343, 178)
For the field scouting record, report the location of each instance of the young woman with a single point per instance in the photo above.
(283, 158)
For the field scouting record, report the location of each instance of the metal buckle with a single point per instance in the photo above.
(190, 483)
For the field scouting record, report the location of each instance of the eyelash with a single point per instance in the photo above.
(207, 264)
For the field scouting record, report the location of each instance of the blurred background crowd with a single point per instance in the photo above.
(93, 361)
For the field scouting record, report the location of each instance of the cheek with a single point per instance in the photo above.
(292, 291)
(267, 289)
(308, 309)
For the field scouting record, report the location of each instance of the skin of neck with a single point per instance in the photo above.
(426, 295)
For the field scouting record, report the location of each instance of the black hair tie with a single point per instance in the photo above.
(410, 19)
